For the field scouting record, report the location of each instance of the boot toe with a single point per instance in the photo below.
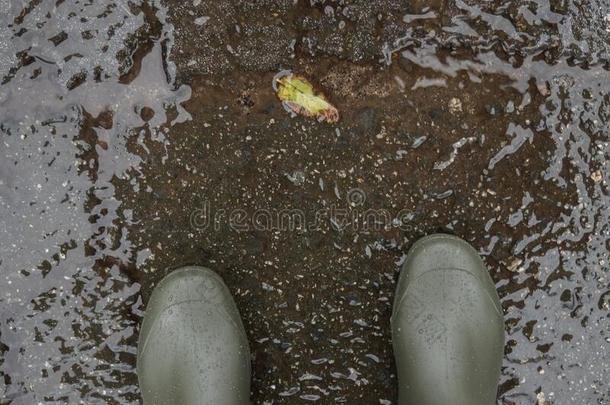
(193, 348)
(447, 326)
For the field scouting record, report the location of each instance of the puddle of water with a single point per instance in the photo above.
(554, 284)
(488, 121)
(69, 110)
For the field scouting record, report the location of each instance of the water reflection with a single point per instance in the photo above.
(75, 93)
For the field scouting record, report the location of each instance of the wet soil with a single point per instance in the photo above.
(140, 138)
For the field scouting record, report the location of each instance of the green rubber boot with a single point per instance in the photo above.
(447, 326)
(193, 348)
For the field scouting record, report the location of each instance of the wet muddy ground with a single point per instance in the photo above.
(138, 137)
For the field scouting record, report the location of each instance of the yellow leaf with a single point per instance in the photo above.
(298, 95)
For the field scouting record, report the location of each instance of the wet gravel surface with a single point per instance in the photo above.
(138, 137)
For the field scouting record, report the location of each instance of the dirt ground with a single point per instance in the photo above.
(316, 301)
(487, 121)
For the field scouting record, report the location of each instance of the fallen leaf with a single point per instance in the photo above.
(298, 95)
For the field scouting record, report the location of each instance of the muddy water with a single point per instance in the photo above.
(138, 138)
(71, 97)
